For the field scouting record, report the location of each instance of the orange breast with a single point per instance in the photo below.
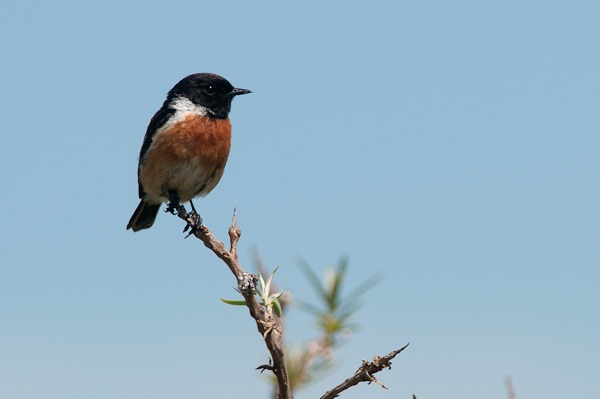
(185, 156)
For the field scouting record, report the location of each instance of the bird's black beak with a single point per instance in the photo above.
(238, 92)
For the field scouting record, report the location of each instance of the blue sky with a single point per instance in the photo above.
(451, 146)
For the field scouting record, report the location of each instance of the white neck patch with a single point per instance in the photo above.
(184, 106)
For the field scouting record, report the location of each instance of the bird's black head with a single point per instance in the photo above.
(207, 90)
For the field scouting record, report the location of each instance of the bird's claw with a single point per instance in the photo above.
(172, 208)
(173, 205)
(194, 222)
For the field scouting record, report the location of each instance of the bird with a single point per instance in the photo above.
(186, 146)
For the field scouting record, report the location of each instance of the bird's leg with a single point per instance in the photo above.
(194, 221)
(193, 207)
(173, 204)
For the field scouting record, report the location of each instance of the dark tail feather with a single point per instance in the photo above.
(143, 217)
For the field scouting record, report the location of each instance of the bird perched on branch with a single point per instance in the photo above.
(186, 146)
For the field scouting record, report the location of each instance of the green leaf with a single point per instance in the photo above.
(269, 281)
(363, 287)
(337, 283)
(234, 302)
(276, 306)
(307, 307)
(313, 279)
(262, 284)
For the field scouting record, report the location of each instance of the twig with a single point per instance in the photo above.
(365, 373)
(510, 389)
(267, 325)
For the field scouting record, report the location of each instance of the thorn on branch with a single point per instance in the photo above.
(264, 367)
(373, 379)
(269, 366)
(268, 327)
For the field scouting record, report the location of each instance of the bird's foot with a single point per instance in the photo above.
(194, 223)
(173, 205)
(172, 208)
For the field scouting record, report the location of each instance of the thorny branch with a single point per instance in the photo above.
(365, 373)
(266, 323)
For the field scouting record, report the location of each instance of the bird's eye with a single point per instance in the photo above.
(210, 90)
